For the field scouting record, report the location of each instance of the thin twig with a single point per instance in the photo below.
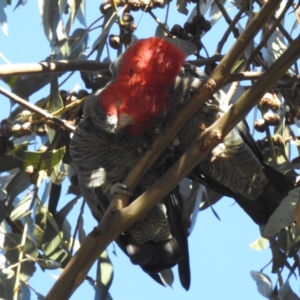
(62, 110)
(36, 109)
(163, 26)
(205, 61)
(267, 36)
(231, 27)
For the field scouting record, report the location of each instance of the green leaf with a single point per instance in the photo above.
(40, 160)
(21, 209)
(55, 102)
(49, 264)
(17, 185)
(75, 6)
(11, 80)
(284, 214)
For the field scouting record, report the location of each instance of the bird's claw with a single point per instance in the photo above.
(120, 188)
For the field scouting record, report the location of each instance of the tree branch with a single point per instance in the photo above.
(36, 110)
(51, 67)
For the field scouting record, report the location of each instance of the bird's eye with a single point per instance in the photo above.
(131, 71)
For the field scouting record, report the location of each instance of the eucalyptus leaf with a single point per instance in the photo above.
(49, 264)
(263, 283)
(39, 160)
(3, 17)
(284, 214)
(21, 209)
(17, 185)
(260, 244)
(74, 8)
(286, 293)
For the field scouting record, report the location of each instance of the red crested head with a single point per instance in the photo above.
(141, 89)
(134, 106)
(155, 61)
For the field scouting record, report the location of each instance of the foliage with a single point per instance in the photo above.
(33, 231)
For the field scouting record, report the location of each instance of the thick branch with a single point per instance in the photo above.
(116, 220)
(36, 109)
(51, 67)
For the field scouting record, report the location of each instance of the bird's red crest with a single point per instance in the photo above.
(148, 70)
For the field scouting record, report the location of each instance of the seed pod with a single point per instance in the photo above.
(295, 111)
(82, 93)
(130, 26)
(134, 5)
(178, 31)
(114, 41)
(190, 28)
(260, 125)
(271, 119)
(127, 17)
(289, 119)
(63, 94)
(199, 20)
(126, 39)
(206, 26)
(270, 101)
(41, 130)
(158, 3)
(105, 8)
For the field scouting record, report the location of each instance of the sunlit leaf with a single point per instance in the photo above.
(259, 244)
(39, 160)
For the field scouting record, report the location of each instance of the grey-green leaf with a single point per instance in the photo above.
(284, 214)
(263, 283)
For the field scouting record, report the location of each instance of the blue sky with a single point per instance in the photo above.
(220, 256)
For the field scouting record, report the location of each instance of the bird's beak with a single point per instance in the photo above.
(123, 121)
